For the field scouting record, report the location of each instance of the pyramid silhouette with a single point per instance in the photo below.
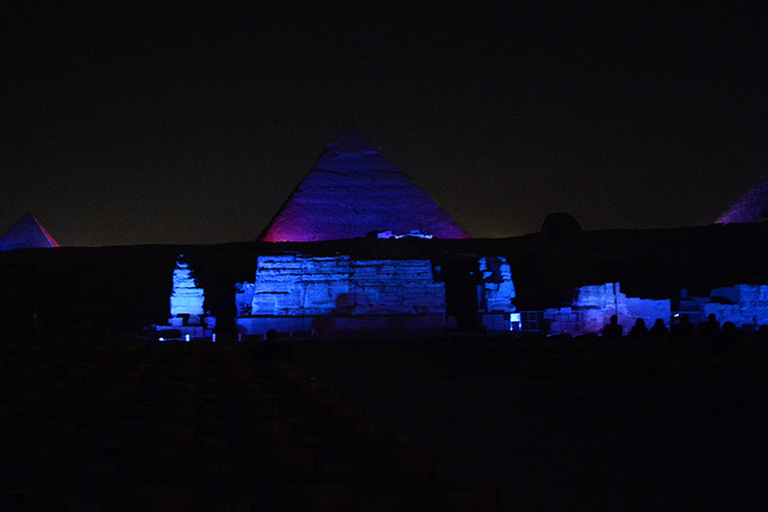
(354, 190)
(26, 233)
(751, 207)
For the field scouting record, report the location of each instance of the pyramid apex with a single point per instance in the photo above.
(351, 140)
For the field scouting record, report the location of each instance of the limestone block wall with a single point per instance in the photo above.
(744, 305)
(314, 287)
(649, 310)
(576, 321)
(750, 306)
(602, 296)
(594, 305)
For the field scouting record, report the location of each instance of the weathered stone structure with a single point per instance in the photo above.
(27, 233)
(751, 207)
(187, 298)
(495, 294)
(743, 304)
(354, 190)
(337, 294)
(593, 306)
(188, 315)
(108, 290)
(367, 249)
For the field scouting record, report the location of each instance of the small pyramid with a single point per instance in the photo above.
(752, 207)
(352, 191)
(25, 234)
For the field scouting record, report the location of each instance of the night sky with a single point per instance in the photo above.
(134, 123)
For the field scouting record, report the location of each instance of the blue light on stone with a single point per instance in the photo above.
(26, 233)
(751, 207)
(187, 298)
(354, 190)
(338, 293)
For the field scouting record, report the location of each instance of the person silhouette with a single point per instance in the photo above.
(710, 328)
(613, 330)
(682, 334)
(659, 330)
(684, 328)
(639, 330)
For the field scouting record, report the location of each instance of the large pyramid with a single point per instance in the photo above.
(25, 234)
(752, 207)
(354, 190)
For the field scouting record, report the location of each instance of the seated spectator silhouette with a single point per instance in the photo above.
(710, 328)
(762, 338)
(639, 330)
(683, 329)
(682, 334)
(613, 330)
(657, 336)
(271, 349)
(731, 339)
(659, 330)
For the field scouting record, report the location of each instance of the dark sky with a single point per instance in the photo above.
(132, 123)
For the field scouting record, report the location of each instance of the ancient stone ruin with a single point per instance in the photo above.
(751, 207)
(27, 233)
(321, 295)
(593, 306)
(188, 316)
(354, 190)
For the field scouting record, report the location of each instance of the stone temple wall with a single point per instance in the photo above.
(748, 305)
(332, 294)
(594, 305)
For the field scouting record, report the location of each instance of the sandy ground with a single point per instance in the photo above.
(544, 424)
(548, 444)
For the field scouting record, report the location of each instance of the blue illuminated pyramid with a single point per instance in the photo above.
(751, 207)
(354, 190)
(25, 234)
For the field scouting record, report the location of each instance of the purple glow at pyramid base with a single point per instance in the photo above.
(354, 190)
(27, 233)
(751, 207)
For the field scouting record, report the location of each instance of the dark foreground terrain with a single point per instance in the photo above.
(450, 423)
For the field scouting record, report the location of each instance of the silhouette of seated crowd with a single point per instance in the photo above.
(684, 335)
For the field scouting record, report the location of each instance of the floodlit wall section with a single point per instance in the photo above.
(335, 294)
(743, 304)
(594, 305)
(498, 289)
(495, 295)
